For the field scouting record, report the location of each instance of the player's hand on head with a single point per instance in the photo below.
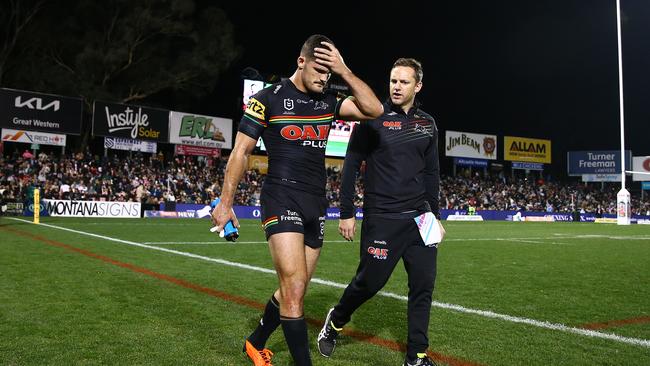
(329, 56)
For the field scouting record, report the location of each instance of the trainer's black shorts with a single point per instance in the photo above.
(288, 210)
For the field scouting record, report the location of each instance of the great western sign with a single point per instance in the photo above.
(24, 110)
(130, 121)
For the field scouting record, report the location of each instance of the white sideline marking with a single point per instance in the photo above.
(599, 236)
(454, 307)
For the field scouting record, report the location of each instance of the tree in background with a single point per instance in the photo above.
(142, 51)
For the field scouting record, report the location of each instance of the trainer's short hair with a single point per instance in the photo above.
(412, 63)
(312, 42)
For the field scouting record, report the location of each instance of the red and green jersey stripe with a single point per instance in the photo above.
(302, 119)
(270, 222)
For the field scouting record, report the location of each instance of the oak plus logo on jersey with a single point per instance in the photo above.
(37, 103)
(314, 136)
(393, 125)
(378, 253)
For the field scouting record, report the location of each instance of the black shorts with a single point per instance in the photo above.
(288, 210)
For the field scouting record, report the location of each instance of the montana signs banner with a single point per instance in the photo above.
(32, 137)
(130, 121)
(23, 110)
(117, 143)
(526, 150)
(470, 145)
(196, 130)
(108, 209)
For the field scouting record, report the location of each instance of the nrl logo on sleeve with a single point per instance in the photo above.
(288, 104)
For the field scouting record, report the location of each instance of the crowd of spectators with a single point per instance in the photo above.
(500, 192)
(153, 179)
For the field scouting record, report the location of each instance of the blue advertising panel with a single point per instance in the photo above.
(527, 166)
(597, 162)
(645, 186)
(195, 211)
(471, 162)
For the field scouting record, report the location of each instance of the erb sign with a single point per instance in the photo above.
(196, 130)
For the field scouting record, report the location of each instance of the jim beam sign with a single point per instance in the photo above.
(130, 121)
(470, 145)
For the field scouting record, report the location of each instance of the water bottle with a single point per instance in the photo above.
(230, 231)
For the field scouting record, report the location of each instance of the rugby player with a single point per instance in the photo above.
(293, 117)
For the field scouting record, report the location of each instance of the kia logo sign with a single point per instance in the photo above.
(31, 111)
(37, 103)
(646, 165)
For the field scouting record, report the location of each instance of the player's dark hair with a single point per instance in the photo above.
(412, 63)
(312, 42)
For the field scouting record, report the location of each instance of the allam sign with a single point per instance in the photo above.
(130, 121)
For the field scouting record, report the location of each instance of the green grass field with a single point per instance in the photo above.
(506, 294)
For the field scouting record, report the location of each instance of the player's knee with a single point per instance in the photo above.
(293, 290)
(292, 295)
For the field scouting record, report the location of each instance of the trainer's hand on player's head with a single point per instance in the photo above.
(329, 56)
(347, 228)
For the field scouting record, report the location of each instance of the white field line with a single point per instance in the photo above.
(597, 236)
(454, 307)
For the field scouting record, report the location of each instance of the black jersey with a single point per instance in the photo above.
(402, 168)
(294, 127)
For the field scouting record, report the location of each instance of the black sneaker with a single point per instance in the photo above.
(422, 360)
(327, 336)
